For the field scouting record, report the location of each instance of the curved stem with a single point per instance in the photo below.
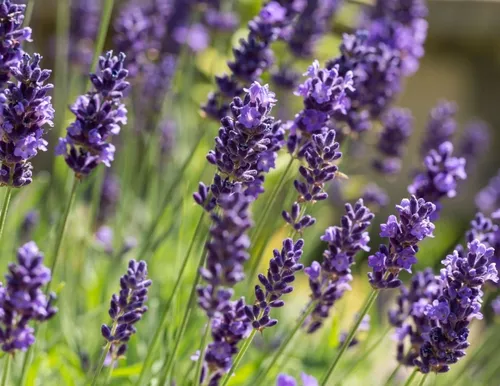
(185, 319)
(199, 362)
(5, 209)
(410, 379)
(389, 380)
(261, 377)
(6, 370)
(100, 365)
(110, 373)
(153, 346)
(239, 357)
(29, 12)
(366, 307)
(422, 381)
(62, 229)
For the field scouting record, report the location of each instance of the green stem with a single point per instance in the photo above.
(366, 307)
(410, 379)
(422, 381)
(62, 229)
(107, 10)
(261, 377)
(153, 346)
(29, 12)
(100, 365)
(239, 357)
(96, 198)
(199, 362)
(110, 373)
(5, 209)
(185, 319)
(366, 354)
(6, 369)
(391, 378)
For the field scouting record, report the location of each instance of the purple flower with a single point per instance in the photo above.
(404, 234)
(375, 196)
(441, 176)
(460, 301)
(440, 127)
(474, 142)
(84, 23)
(22, 300)
(330, 279)
(25, 111)
(286, 380)
(488, 199)
(127, 308)
(221, 21)
(195, 37)
(99, 116)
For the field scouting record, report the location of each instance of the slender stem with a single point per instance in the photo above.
(96, 198)
(107, 10)
(6, 369)
(239, 357)
(185, 319)
(29, 12)
(100, 365)
(261, 377)
(5, 209)
(410, 379)
(422, 381)
(391, 378)
(199, 362)
(366, 354)
(366, 307)
(153, 346)
(62, 229)
(110, 372)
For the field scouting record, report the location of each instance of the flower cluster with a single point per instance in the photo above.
(330, 279)
(277, 282)
(409, 317)
(22, 299)
(397, 128)
(25, 111)
(245, 148)
(474, 141)
(127, 308)
(400, 25)
(310, 26)
(440, 127)
(287, 380)
(12, 35)
(324, 92)
(254, 55)
(224, 21)
(83, 31)
(488, 198)
(375, 196)
(99, 116)
(440, 179)
(460, 301)
(413, 226)
(296, 220)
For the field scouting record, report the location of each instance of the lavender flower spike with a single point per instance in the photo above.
(330, 279)
(404, 234)
(25, 110)
(286, 380)
(99, 116)
(127, 308)
(451, 313)
(440, 127)
(22, 300)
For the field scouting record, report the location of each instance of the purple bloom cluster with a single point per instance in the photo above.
(397, 128)
(22, 299)
(401, 25)
(225, 21)
(287, 380)
(404, 234)
(285, 78)
(253, 56)
(245, 147)
(277, 282)
(313, 22)
(99, 116)
(12, 35)
(375, 196)
(25, 110)
(488, 198)
(85, 15)
(298, 221)
(127, 308)
(460, 301)
(440, 179)
(409, 317)
(330, 279)
(474, 141)
(440, 127)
